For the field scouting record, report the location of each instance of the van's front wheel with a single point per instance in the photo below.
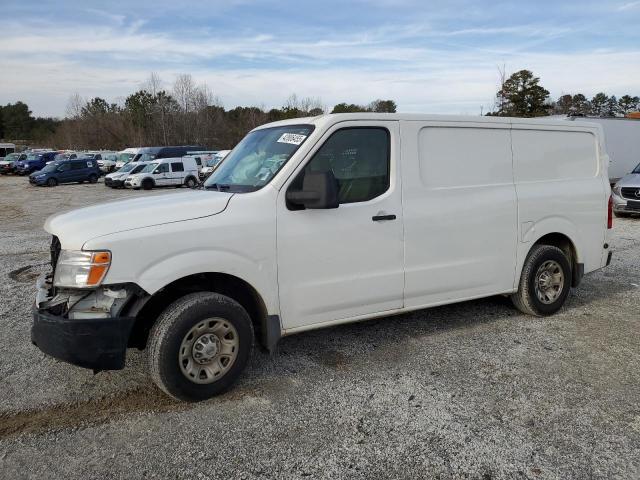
(199, 346)
(545, 281)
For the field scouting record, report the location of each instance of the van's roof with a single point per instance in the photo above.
(364, 116)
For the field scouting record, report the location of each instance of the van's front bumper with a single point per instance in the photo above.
(96, 343)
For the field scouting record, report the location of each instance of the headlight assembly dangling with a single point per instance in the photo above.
(78, 269)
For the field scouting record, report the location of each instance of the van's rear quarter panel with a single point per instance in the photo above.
(560, 188)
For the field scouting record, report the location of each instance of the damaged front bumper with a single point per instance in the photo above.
(83, 328)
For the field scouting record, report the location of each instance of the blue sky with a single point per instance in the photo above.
(429, 56)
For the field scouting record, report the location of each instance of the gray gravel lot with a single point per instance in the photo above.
(474, 390)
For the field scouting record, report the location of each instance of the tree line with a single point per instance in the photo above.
(188, 113)
(185, 114)
(521, 95)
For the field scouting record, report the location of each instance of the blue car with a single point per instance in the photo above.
(34, 161)
(66, 171)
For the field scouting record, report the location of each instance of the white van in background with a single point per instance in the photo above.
(125, 156)
(212, 163)
(165, 172)
(6, 149)
(314, 222)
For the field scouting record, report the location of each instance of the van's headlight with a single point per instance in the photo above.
(77, 269)
(616, 189)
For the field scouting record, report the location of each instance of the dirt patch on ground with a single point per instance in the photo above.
(93, 412)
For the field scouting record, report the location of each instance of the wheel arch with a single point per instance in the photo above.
(267, 327)
(569, 248)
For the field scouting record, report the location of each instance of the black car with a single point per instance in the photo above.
(66, 171)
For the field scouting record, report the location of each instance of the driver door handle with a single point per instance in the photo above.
(379, 218)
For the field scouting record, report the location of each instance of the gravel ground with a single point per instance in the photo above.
(473, 390)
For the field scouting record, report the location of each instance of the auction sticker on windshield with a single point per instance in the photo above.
(293, 138)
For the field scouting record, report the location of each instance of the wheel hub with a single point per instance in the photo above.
(205, 348)
(549, 282)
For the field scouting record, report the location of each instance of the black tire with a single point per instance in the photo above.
(171, 328)
(147, 184)
(93, 178)
(526, 298)
(52, 182)
(622, 214)
(190, 182)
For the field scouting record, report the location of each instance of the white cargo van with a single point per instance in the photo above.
(6, 149)
(165, 172)
(314, 222)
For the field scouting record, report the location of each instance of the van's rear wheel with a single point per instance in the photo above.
(545, 281)
(199, 346)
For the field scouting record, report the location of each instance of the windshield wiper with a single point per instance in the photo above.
(221, 187)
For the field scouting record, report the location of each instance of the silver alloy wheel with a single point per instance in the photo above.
(549, 282)
(208, 350)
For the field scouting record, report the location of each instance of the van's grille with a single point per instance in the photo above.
(631, 192)
(55, 252)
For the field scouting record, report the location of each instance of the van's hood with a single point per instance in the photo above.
(76, 227)
(629, 180)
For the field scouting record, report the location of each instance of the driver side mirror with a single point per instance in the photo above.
(319, 191)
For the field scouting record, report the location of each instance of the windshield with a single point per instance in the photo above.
(258, 157)
(145, 157)
(127, 167)
(12, 157)
(50, 167)
(149, 168)
(212, 162)
(125, 157)
(637, 169)
(34, 156)
(138, 168)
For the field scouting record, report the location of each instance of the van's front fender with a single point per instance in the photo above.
(259, 273)
(241, 241)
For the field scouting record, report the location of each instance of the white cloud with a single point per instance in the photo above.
(628, 6)
(45, 66)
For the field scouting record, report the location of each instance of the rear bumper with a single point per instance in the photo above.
(97, 343)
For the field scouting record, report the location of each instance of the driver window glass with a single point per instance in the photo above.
(359, 159)
(64, 167)
(162, 168)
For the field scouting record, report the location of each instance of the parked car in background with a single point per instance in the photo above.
(8, 164)
(66, 171)
(35, 161)
(66, 155)
(310, 223)
(125, 156)
(626, 194)
(107, 163)
(201, 158)
(117, 178)
(165, 172)
(212, 163)
(146, 154)
(6, 149)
